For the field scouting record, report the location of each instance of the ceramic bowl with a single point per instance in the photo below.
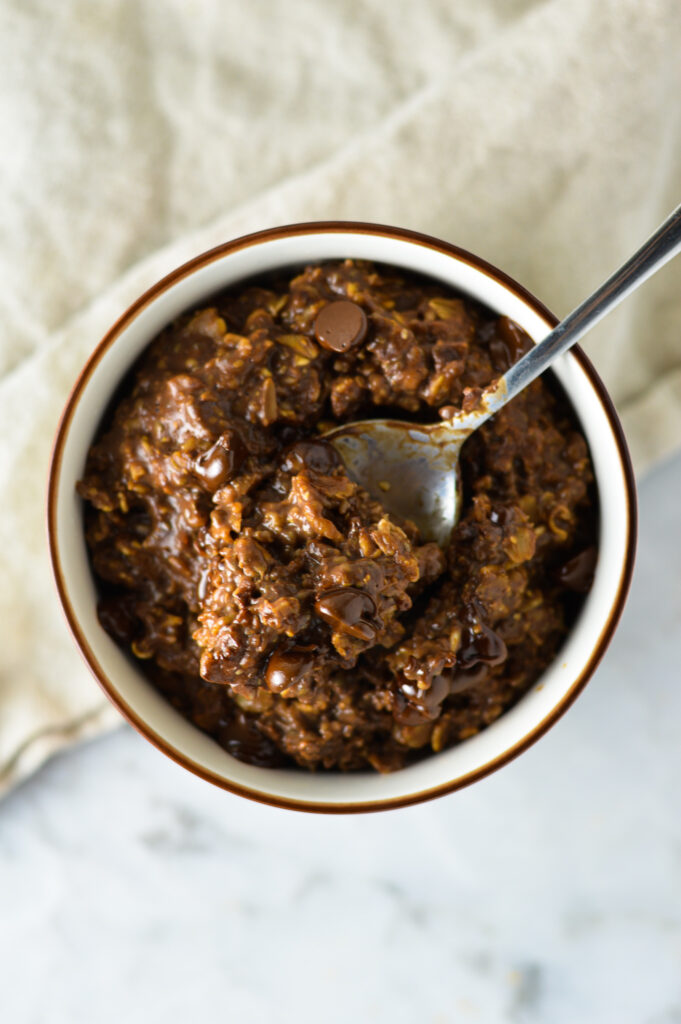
(188, 287)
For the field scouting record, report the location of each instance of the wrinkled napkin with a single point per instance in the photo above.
(544, 136)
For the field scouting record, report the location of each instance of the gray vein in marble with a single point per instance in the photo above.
(416, 913)
(179, 829)
(525, 1001)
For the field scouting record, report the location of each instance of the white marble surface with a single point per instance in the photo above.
(550, 892)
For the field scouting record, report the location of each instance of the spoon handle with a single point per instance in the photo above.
(664, 244)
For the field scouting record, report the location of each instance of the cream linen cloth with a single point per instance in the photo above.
(542, 135)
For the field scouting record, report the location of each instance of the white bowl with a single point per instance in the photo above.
(191, 285)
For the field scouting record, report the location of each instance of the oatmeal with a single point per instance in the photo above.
(273, 601)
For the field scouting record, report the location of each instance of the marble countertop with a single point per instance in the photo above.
(549, 892)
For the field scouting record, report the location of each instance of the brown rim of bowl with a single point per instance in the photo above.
(336, 227)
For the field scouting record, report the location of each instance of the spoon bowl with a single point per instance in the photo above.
(410, 469)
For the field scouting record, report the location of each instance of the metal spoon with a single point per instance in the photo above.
(413, 469)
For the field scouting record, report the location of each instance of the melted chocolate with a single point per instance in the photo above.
(479, 643)
(117, 619)
(508, 343)
(421, 704)
(287, 667)
(348, 610)
(242, 739)
(463, 679)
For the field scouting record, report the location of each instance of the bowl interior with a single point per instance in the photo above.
(135, 696)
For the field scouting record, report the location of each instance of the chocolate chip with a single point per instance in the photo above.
(578, 573)
(347, 609)
(285, 668)
(319, 456)
(340, 325)
(219, 463)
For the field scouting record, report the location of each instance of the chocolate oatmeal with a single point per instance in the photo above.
(275, 603)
